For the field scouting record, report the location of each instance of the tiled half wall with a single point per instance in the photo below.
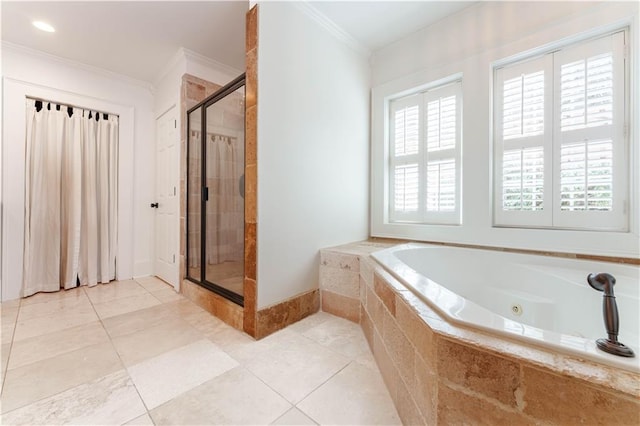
(438, 373)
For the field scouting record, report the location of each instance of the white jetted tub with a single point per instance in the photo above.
(542, 300)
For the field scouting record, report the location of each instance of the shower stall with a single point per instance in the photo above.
(215, 192)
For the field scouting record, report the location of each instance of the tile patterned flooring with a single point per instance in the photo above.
(137, 353)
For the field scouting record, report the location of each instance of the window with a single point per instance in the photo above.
(561, 149)
(425, 146)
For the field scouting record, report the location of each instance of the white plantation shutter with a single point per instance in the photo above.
(586, 92)
(441, 186)
(405, 135)
(424, 147)
(441, 123)
(523, 179)
(590, 168)
(442, 153)
(406, 188)
(586, 176)
(560, 148)
(523, 148)
(523, 105)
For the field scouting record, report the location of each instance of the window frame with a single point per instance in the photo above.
(553, 218)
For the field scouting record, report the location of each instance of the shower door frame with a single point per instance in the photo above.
(220, 94)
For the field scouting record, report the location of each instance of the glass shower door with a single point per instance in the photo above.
(215, 192)
(224, 147)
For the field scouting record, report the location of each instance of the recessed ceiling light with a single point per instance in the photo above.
(43, 26)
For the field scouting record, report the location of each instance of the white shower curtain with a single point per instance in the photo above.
(70, 198)
(225, 217)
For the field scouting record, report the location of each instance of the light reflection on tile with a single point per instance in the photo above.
(48, 345)
(144, 344)
(236, 397)
(131, 322)
(73, 300)
(340, 335)
(55, 322)
(294, 365)
(102, 293)
(125, 305)
(354, 396)
(42, 379)
(168, 375)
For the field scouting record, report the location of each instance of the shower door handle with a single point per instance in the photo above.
(154, 205)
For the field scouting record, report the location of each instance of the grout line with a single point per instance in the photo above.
(113, 346)
(13, 333)
(44, 334)
(272, 389)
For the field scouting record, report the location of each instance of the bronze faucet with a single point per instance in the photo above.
(604, 282)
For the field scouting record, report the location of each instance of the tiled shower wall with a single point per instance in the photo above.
(440, 373)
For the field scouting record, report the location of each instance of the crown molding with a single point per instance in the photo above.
(192, 56)
(184, 55)
(176, 60)
(20, 49)
(332, 28)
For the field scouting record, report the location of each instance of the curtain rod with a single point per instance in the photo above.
(64, 104)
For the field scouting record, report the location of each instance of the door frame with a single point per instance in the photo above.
(13, 179)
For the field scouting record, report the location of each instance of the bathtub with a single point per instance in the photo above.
(541, 300)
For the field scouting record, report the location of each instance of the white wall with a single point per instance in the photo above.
(31, 73)
(313, 148)
(468, 43)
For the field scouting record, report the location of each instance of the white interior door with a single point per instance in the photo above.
(167, 196)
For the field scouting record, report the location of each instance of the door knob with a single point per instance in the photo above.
(154, 205)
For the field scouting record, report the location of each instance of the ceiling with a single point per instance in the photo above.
(136, 39)
(376, 24)
(139, 38)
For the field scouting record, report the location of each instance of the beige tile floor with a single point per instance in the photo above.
(137, 353)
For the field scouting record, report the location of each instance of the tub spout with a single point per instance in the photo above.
(604, 282)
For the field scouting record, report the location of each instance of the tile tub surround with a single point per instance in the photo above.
(174, 363)
(438, 372)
